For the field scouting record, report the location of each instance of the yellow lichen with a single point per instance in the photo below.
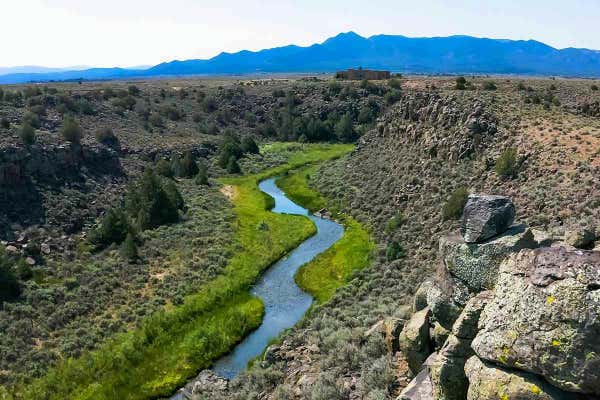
(535, 389)
(550, 299)
(555, 343)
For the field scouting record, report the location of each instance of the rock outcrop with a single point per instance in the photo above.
(545, 317)
(524, 319)
(414, 340)
(490, 382)
(477, 264)
(486, 216)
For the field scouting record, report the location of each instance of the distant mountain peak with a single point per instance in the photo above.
(458, 54)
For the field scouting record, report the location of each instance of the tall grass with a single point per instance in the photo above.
(332, 268)
(174, 344)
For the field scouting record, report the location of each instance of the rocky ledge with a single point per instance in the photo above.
(505, 318)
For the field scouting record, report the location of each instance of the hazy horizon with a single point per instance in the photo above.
(61, 33)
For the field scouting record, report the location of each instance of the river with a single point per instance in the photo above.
(285, 303)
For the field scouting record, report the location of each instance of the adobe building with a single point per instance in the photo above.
(360, 74)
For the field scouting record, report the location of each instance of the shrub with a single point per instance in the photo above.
(172, 113)
(1, 94)
(27, 134)
(277, 93)
(209, 104)
(129, 249)
(163, 168)
(232, 166)
(489, 86)
(202, 175)
(343, 129)
(395, 222)
(521, 87)
(32, 119)
(71, 131)
(176, 166)
(249, 145)
(196, 117)
(594, 88)
(124, 103)
(189, 168)
(9, 285)
(4, 123)
(394, 251)
(149, 204)
(133, 90)
(230, 148)
(392, 96)
(113, 228)
(461, 83)
(106, 136)
(395, 83)
(156, 120)
(453, 207)
(506, 164)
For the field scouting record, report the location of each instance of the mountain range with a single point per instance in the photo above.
(435, 55)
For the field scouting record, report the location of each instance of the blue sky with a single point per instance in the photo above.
(61, 33)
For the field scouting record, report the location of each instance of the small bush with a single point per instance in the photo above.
(395, 83)
(189, 168)
(232, 166)
(249, 145)
(9, 285)
(133, 90)
(489, 86)
(32, 119)
(594, 88)
(113, 228)
(461, 83)
(395, 222)
(506, 164)
(156, 120)
(71, 131)
(163, 168)
(106, 136)
(4, 123)
(394, 251)
(129, 249)
(453, 208)
(521, 87)
(27, 134)
(209, 104)
(202, 175)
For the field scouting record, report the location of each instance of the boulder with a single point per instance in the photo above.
(581, 238)
(207, 381)
(389, 329)
(420, 299)
(420, 388)
(414, 340)
(446, 298)
(491, 382)
(447, 371)
(438, 335)
(477, 264)
(486, 216)
(544, 317)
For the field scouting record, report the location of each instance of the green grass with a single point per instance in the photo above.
(173, 344)
(332, 268)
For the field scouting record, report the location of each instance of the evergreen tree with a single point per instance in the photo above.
(163, 168)
(129, 249)
(249, 145)
(202, 175)
(189, 167)
(232, 166)
(27, 134)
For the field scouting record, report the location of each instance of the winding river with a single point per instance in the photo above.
(285, 302)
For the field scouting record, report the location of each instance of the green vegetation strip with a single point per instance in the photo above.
(172, 345)
(333, 268)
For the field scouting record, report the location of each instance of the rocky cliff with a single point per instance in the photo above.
(520, 320)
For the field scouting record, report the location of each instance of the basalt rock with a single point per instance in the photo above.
(545, 317)
(447, 297)
(447, 371)
(414, 341)
(477, 264)
(491, 382)
(486, 216)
